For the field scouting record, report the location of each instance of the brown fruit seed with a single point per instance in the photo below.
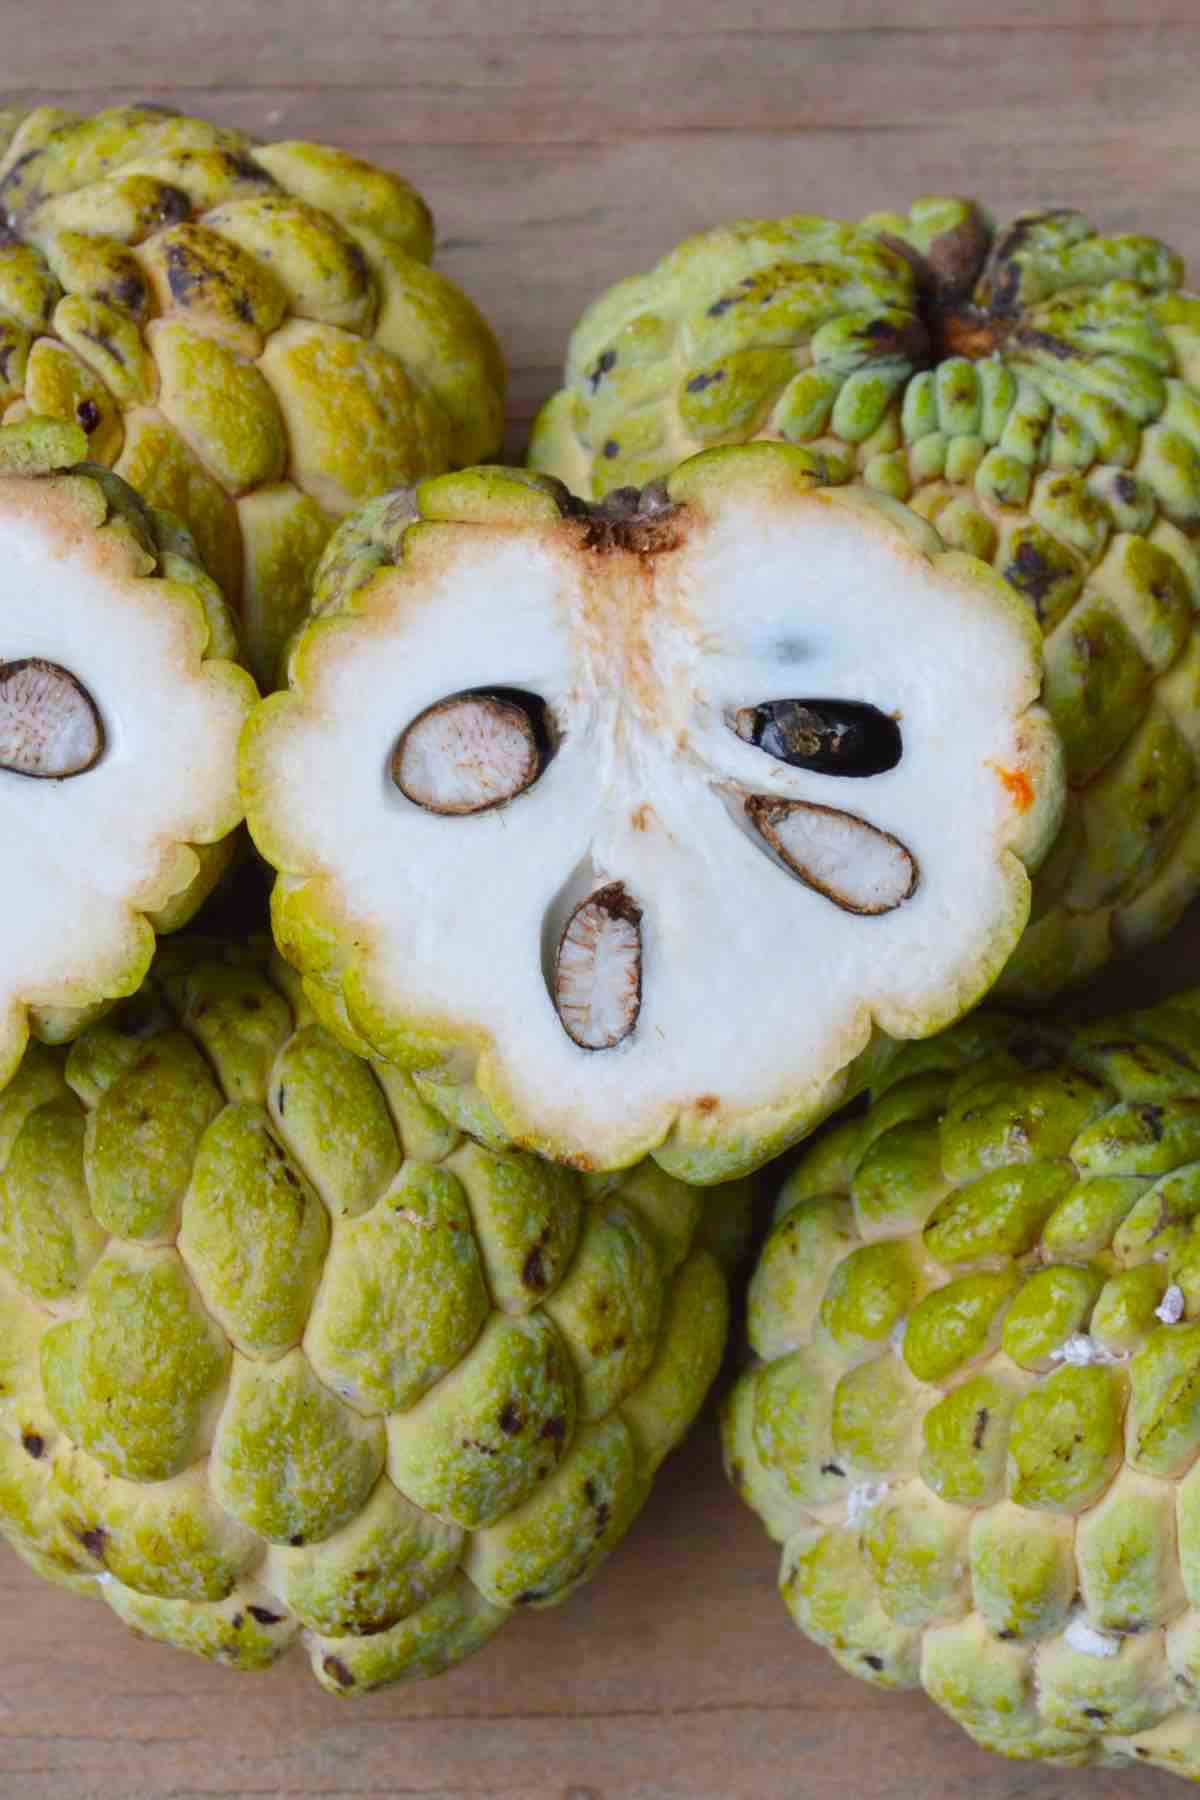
(598, 969)
(49, 724)
(857, 866)
(467, 754)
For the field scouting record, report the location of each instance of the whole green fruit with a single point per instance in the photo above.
(286, 1358)
(973, 1419)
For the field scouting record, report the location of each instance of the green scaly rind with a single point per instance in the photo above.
(971, 1417)
(286, 1360)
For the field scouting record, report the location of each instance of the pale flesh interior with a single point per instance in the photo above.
(83, 855)
(754, 985)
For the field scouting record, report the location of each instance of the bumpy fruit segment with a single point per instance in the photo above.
(249, 333)
(642, 828)
(285, 1358)
(972, 1419)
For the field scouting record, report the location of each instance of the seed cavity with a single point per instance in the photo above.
(831, 737)
(857, 866)
(49, 725)
(473, 751)
(598, 969)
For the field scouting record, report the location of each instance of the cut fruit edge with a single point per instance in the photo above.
(332, 932)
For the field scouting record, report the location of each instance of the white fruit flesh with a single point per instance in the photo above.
(756, 990)
(149, 727)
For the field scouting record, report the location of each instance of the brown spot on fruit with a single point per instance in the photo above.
(1030, 573)
(94, 1541)
(337, 1672)
(511, 1420)
(173, 205)
(603, 363)
(534, 1274)
(599, 1506)
(35, 1444)
(707, 1103)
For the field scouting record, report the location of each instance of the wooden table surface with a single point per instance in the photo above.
(564, 145)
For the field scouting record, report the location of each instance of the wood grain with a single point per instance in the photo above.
(562, 146)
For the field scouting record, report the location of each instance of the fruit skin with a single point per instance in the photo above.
(386, 557)
(971, 1417)
(1035, 392)
(250, 334)
(148, 563)
(286, 1358)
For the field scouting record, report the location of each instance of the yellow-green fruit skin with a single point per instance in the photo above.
(971, 1416)
(1035, 393)
(249, 333)
(303, 1365)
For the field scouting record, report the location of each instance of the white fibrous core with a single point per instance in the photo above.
(660, 829)
(118, 749)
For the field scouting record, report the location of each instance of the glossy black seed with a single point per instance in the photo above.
(831, 737)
